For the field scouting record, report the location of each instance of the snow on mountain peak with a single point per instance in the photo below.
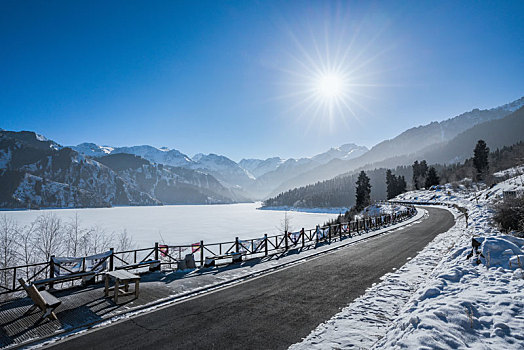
(41, 137)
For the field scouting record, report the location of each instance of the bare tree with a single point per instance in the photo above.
(8, 251)
(96, 241)
(49, 236)
(75, 236)
(26, 239)
(124, 242)
(285, 223)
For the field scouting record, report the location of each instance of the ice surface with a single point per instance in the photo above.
(183, 224)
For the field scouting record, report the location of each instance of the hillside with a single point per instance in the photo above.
(170, 185)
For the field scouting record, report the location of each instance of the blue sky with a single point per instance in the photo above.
(236, 77)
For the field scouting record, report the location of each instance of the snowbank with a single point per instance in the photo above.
(382, 209)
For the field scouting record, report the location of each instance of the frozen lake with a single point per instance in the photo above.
(182, 224)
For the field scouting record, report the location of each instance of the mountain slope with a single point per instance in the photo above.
(258, 167)
(170, 185)
(36, 172)
(497, 133)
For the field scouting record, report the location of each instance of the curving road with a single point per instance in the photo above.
(272, 311)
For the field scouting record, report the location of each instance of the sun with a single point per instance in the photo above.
(330, 86)
(331, 71)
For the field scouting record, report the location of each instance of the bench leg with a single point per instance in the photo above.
(30, 310)
(106, 290)
(47, 314)
(52, 316)
(117, 288)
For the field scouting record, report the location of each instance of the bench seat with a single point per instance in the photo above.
(65, 278)
(49, 299)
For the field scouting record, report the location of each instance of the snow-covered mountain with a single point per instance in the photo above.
(223, 168)
(258, 167)
(253, 178)
(36, 172)
(170, 185)
(344, 152)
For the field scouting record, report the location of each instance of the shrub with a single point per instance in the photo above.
(509, 214)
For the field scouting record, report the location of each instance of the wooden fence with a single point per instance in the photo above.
(207, 254)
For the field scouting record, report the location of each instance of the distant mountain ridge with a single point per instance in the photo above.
(250, 178)
(37, 173)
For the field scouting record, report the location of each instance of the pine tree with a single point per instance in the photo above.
(401, 185)
(480, 159)
(432, 178)
(415, 174)
(391, 183)
(363, 195)
(420, 171)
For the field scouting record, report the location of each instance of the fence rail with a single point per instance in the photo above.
(171, 256)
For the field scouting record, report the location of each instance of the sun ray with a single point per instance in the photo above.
(332, 72)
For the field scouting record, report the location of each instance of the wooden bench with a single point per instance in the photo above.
(41, 299)
(64, 278)
(235, 257)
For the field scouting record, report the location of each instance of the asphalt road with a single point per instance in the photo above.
(272, 311)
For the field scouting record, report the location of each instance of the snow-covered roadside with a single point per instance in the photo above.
(440, 299)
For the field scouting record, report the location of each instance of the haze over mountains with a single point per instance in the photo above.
(36, 172)
(253, 178)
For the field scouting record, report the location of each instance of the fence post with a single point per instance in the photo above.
(14, 279)
(112, 259)
(285, 239)
(329, 233)
(340, 231)
(265, 244)
(51, 270)
(156, 250)
(303, 237)
(236, 245)
(201, 253)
